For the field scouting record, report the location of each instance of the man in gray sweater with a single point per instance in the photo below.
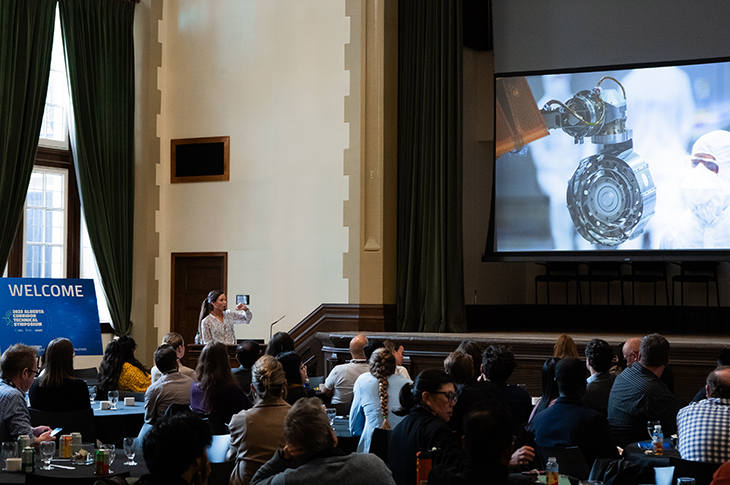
(311, 454)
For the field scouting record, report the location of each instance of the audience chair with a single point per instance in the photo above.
(645, 272)
(696, 272)
(701, 471)
(600, 272)
(571, 460)
(343, 408)
(175, 408)
(379, 443)
(559, 272)
(70, 421)
(220, 473)
(89, 374)
(217, 426)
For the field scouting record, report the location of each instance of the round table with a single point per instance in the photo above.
(113, 426)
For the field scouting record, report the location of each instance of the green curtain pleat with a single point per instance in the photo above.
(99, 44)
(26, 42)
(430, 288)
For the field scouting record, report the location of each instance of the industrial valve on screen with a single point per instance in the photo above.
(611, 196)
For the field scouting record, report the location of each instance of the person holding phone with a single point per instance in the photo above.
(216, 321)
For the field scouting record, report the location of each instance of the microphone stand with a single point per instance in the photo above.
(271, 328)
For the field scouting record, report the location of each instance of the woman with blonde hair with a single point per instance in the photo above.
(375, 396)
(56, 389)
(257, 433)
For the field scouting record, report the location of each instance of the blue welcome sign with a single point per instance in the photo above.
(34, 311)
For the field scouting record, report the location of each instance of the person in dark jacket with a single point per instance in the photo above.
(56, 389)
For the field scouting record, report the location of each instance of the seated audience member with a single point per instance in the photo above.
(427, 405)
(174, 451)
(311, 454)
(18, 369)
(174, 340)
(471, 348)
(280, 342)
(565, 347)
(296, 375)
(704, 427)
(247, 353)
(460, 368)
(498, 363)
(372, 346)
(56, 389)
(375, 398)
(630, 352)
(172, 387)
(341, 379)
(599, 356)
(487, 459)
(216, 391)
(638, 395)
(722, 360)
(397, 349)
(120, 370)
(549, 388)
(257, 433)
(569, 422)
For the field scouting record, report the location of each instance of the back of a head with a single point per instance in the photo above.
(392, 345)
(565, 347)
(429, 380)
(213, 368)
(127, 346)
(599, 355)
(174, 443)
(719, 382)
(307, 426)
(498, 362)
(268, 377)
(570, 373)
(357, 346)
(290, 362)
(280, 342)
(372, 346)
(16, 358)
(58, 363)
(654, 351)
(247, 353)
(382, 363)
(173, 339)
(490, 419)
(165, 358)
(459, 366)
(472, 348)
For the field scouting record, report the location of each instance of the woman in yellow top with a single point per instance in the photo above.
(120, 370)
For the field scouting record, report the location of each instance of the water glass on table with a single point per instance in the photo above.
(113, 397)
(130, 449)
(331, 414)
(47, 449)
(92, 393)
(9, 450)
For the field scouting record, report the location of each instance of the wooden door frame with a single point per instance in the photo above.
(173, 258)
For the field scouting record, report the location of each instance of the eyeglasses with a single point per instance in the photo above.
(707, 160)
(451, 396)
(37, 371)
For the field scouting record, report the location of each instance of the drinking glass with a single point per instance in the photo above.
(47, 448)
(8, 450)
(650, 428)
(130, 450)
(331, 414)
(113, 399)
(685, 481)
(112, 452)
(92, 393)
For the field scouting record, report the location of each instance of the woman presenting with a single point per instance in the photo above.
(216, 322)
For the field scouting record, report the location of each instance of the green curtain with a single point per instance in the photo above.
(99, 44)
(430, 288)
(26, 41)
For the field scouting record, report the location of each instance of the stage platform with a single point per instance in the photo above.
(691, 357)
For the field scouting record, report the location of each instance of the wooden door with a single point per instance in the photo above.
(194, 275)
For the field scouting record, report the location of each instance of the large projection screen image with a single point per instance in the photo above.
(613, 160)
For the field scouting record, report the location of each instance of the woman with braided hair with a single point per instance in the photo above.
(257, 433)
(375, 396)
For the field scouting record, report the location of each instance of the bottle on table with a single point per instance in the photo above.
(551, 471)
(657, 440)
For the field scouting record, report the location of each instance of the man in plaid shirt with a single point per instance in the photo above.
(704, 427)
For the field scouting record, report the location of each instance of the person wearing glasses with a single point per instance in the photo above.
(427, 405)
(18, 370)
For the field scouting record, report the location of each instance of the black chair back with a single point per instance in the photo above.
(70, 421)
(379, 443)
(220, 473)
